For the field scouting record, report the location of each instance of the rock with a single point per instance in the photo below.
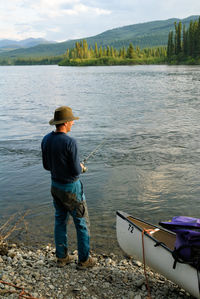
(106, 285)
(108, 261)
(76, 290)
(111, 278)
(19, 257)
(144, 287)
(72, 283)
(131, 295)
(11, 253)
(1, 274)
(39, 263)
(139, 264)
(139, 282)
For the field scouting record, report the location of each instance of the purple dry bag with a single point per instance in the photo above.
(187, 245)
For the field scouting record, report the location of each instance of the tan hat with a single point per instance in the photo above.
(62, 115)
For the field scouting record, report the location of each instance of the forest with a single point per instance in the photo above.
(184, 44)
(83, 55)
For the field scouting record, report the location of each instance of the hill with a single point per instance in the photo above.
(9, 45)
(149, 34)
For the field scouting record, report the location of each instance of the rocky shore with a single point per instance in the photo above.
(28, 273)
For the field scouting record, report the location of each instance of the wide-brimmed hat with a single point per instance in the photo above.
(62, 115)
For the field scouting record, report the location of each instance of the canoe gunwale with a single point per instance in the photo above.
(179, 226)
(121, 215)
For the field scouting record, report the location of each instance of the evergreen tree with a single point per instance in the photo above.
(100, 52)
(197, 39)
(185, 41)
(170, 45)
(96, 50)
(104, 52)
(130, 52)
(91, 52)
(77, 50)
(85, 49)
(116, 53)
(112, 54)
(122, 52)
(175, 38)
(179, 28)
(191, 39)
(108, 51)
(67, 54)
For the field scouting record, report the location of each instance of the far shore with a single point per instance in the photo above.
(103, 61)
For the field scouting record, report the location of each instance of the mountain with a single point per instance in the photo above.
(7, 44)
(149, 34)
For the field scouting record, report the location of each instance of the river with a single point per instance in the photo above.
(149, 120)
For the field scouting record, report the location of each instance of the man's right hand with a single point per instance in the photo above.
(84, 169)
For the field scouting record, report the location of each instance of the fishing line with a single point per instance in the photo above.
(84, 169)
(94, 151)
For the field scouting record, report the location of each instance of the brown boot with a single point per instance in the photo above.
(61, 262)
(90, 262)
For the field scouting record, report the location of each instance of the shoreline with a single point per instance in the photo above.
(104, 61)
(35, 271)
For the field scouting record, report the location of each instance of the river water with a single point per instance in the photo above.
(149, 164)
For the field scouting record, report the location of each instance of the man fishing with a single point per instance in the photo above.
(60, 157)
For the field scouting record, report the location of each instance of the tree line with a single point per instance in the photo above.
(83, 51)
(184, 43)
(31, 60)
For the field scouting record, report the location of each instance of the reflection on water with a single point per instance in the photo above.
(148, 164)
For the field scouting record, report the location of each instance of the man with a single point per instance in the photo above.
(60, 156)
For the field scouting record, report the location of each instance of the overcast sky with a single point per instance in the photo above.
(60, 20)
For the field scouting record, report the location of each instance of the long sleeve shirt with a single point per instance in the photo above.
(60, 156)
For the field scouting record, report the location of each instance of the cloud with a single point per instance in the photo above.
(59, 8)
(80, 9)
(43, 15)
(68, 19)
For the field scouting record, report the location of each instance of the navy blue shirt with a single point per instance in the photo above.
(60, 156)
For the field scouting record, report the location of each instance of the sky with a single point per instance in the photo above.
(61, 20)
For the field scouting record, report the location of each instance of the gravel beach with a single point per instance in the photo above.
(33, 273)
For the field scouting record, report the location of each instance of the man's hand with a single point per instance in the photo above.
(84, 169)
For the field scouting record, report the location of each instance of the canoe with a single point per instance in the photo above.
(158, 247)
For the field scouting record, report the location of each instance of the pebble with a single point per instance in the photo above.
(131, 295)
(112, 277)
(140, 282)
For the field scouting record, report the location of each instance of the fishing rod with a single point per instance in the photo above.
(91, 154)
(84, 169)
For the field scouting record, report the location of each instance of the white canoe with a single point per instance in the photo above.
(159, 258)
